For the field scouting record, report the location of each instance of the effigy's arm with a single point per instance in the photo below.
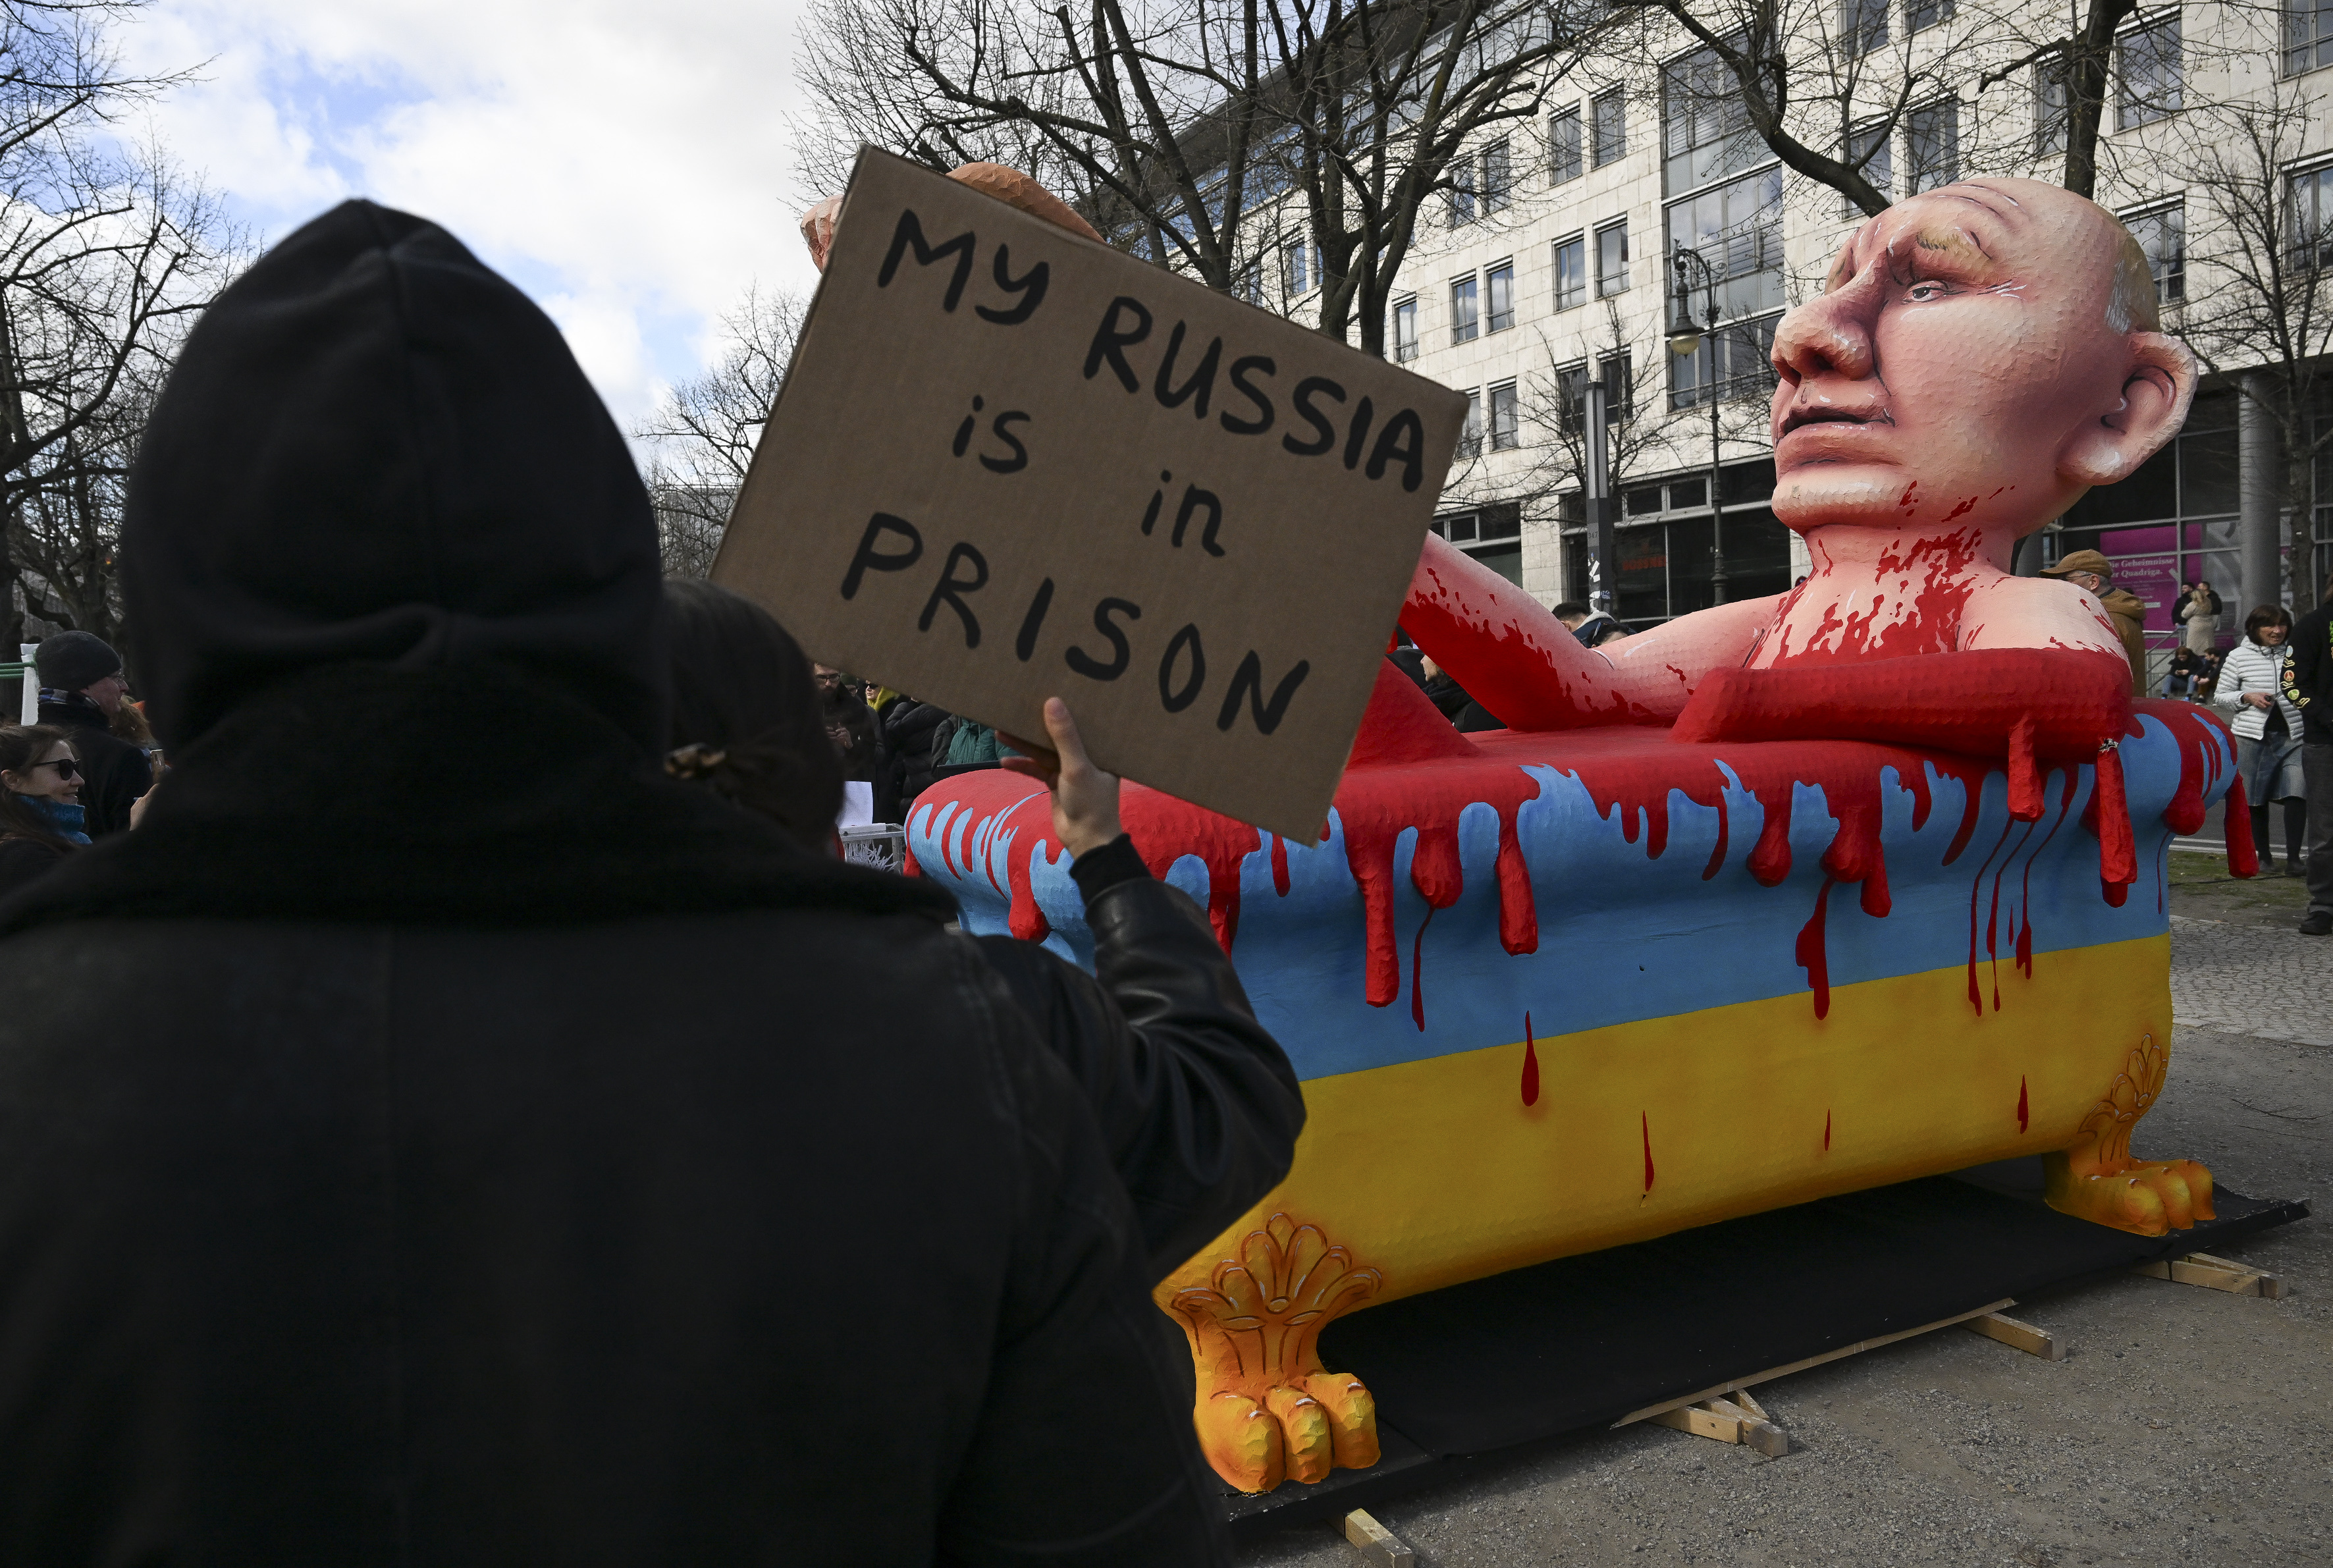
(1522, 664)
(2030, 706)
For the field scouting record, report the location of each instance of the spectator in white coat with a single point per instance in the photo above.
(2268, 731)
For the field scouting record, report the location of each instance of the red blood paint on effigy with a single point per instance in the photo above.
(1826, 1132)
(1530, 1064)
(1410, 772)
(1813, 950)
(1930, 582)
(2024, 1114)
(1646, 1120)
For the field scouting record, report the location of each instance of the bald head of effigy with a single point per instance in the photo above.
(1988, 351)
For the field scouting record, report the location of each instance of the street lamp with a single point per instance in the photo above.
(1684, 339)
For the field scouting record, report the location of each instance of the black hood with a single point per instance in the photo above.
(374, 449)
(396, 587)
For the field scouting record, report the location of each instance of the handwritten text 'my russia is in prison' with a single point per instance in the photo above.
(891, 543)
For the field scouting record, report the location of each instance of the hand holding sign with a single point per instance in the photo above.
(1085, 798)
(1009, 457)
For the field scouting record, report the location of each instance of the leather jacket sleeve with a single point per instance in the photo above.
(1197, 1104)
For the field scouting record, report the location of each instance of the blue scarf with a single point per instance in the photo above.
(65, 818)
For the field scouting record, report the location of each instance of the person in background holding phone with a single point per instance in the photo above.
(2268, 732)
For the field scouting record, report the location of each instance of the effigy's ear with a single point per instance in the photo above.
(2149, 407)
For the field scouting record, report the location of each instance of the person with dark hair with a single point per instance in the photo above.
(2308, 688)
(2268, 732)
(1571, 613)
(857, 735)
(509, 1152)
(1197, 1104)
(81, 691)
(2184, 672)
(41, 820)
(745, 716)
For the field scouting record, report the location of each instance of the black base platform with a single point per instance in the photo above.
(1579, 1342)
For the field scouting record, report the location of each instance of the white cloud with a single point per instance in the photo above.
(627, 165)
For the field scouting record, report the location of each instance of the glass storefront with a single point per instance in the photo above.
(2172, 522)
(1667, 545)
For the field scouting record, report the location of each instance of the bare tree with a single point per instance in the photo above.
(1828, 86)
(2260, 298)
(1823, 84)
(104, 254)
(92, 312)
(702, 431)
(1183, 131)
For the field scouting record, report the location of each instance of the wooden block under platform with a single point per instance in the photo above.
(1378, 1543)
(1739, 1420)
(2214, 1273)
(1741, 1386)
(2024, 1336)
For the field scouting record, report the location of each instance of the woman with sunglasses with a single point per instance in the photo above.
(40, 802)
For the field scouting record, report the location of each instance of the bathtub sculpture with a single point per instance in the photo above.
(1791, 897)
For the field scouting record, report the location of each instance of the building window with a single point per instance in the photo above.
(1611, 259)
(1405, 330)
(1611, 127)
(1249, 284)
(1563, 145)
(1734, 362)
(1465, 320)
(1492, 535)
(1932, 145)
(1470, 439)
(2050, 99)
(1706, 127)
(1872, 151)
(2162, 233)
(1927, 13)
(2147, 76)
(1497, 177)
(1501, 280)
(1737, 230)
(2312, 219)
(1304, 267)
(1462, 192)
(2307, 36)
(1571, 392)
(1862, 25)
(1571, 272)
(1506, 426)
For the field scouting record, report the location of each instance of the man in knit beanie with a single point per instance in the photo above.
(81, 689)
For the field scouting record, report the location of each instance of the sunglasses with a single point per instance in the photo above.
(66, 767)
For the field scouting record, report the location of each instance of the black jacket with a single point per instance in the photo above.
(23, 858)
(1198, 1104)
(907, 731)
(505, 1153)
(2308, 675)
(115, 773)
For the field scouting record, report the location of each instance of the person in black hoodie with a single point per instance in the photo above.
(508, 1154)
(1198, 1103)
(82, 690)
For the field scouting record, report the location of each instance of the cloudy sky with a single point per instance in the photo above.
(626, 164)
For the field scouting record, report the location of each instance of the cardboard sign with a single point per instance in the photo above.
(1010, 464)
